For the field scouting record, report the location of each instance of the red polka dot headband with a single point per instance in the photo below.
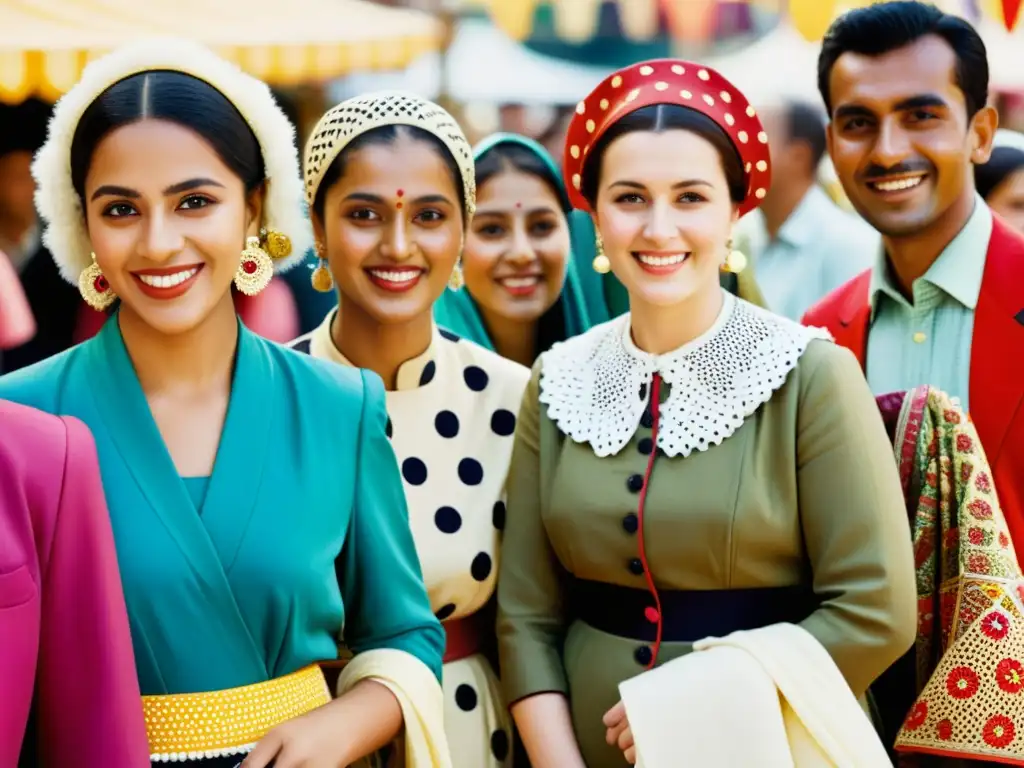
(669, 81)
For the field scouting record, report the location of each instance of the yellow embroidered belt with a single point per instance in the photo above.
(191, 726)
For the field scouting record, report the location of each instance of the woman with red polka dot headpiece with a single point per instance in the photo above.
(695, 467)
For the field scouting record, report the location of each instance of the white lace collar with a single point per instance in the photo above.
(596, 385)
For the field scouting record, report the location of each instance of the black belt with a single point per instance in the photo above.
(687, 615)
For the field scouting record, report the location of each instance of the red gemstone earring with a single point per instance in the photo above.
(255, 269)
(94, 287)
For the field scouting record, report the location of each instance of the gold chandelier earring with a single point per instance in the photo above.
(456, 280)
(321, 277)
(95, 289)
(255, 269)
(735, 260)
(601, 264)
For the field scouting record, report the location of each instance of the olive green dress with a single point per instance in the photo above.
(770, 468)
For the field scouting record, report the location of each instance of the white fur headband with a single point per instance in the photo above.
(283, 212)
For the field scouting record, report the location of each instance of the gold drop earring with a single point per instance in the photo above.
(601, 264)
(255, 269)
(321, 277)
(456, 280)
(95, 289)
(735, 260)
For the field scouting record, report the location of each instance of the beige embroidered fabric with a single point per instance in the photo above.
(354, 117)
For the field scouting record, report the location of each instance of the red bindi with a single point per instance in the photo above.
(400, 192)
(398, 204)
(519, 205)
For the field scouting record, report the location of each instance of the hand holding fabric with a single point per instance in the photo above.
(619, 733)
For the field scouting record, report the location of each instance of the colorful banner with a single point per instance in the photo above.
(693, 20)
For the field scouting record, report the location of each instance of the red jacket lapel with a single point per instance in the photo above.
(854, 315)
(997, 359)
(997, 346)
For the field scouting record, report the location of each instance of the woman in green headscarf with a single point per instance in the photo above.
(524, 291)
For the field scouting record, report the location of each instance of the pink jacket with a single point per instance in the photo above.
(16, 322)
(64, 638)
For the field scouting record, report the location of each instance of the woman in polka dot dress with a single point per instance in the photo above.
(390, 184)
(697, 466)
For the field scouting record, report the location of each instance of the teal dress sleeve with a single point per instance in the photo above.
(386, 602)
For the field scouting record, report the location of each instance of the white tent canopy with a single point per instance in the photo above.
(485, 65)
(44, 44)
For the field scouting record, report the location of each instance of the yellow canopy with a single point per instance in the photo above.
(576, 20)
(44, 44)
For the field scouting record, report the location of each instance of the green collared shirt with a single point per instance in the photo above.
(817, 249)
(928, 341)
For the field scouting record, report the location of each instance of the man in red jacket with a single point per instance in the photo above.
(906, 88)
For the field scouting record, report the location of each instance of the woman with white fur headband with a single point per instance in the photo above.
(256, 503)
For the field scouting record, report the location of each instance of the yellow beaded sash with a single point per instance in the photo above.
(192, 726)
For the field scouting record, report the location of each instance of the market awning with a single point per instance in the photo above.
(44, 44)
(577, 20)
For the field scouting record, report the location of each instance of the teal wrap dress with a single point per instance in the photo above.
(299, 538)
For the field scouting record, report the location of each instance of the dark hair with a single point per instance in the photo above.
(387, 135)
(23, 126)
(658, 118)
(508, 156)
(1004, 162)
(804, 123)
(177, 98)
(886, 27)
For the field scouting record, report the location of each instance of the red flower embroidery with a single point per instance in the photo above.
(965, 471)
(1004, 540)
(931, 480)
(980, 509)
(995, 625)
(964, 444)
(976, 536)
(917, 716)
(982, 482)
(979, 563)
(962, 683)
(944, 728)
(998, 731)
(951, 417)
(1010, 675)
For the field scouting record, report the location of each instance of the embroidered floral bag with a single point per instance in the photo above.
(970, 640)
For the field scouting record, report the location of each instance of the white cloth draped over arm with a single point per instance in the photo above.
(770, 697)
(423, 743)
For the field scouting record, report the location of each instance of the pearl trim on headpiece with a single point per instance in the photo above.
(677, 82)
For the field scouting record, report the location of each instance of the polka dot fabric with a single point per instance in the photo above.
(354, 117)
(669, 81)
(453, 418)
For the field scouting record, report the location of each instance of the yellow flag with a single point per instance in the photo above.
(811, 17)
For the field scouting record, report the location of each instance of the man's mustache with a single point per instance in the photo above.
(905, 168)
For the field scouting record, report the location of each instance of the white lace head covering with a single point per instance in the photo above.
(354, 117)
(284, 215)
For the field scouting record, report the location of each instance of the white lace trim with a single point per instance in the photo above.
(596, 385)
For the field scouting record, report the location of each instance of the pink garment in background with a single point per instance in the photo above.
(16, 322)
(65, 646)
(271, 314)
